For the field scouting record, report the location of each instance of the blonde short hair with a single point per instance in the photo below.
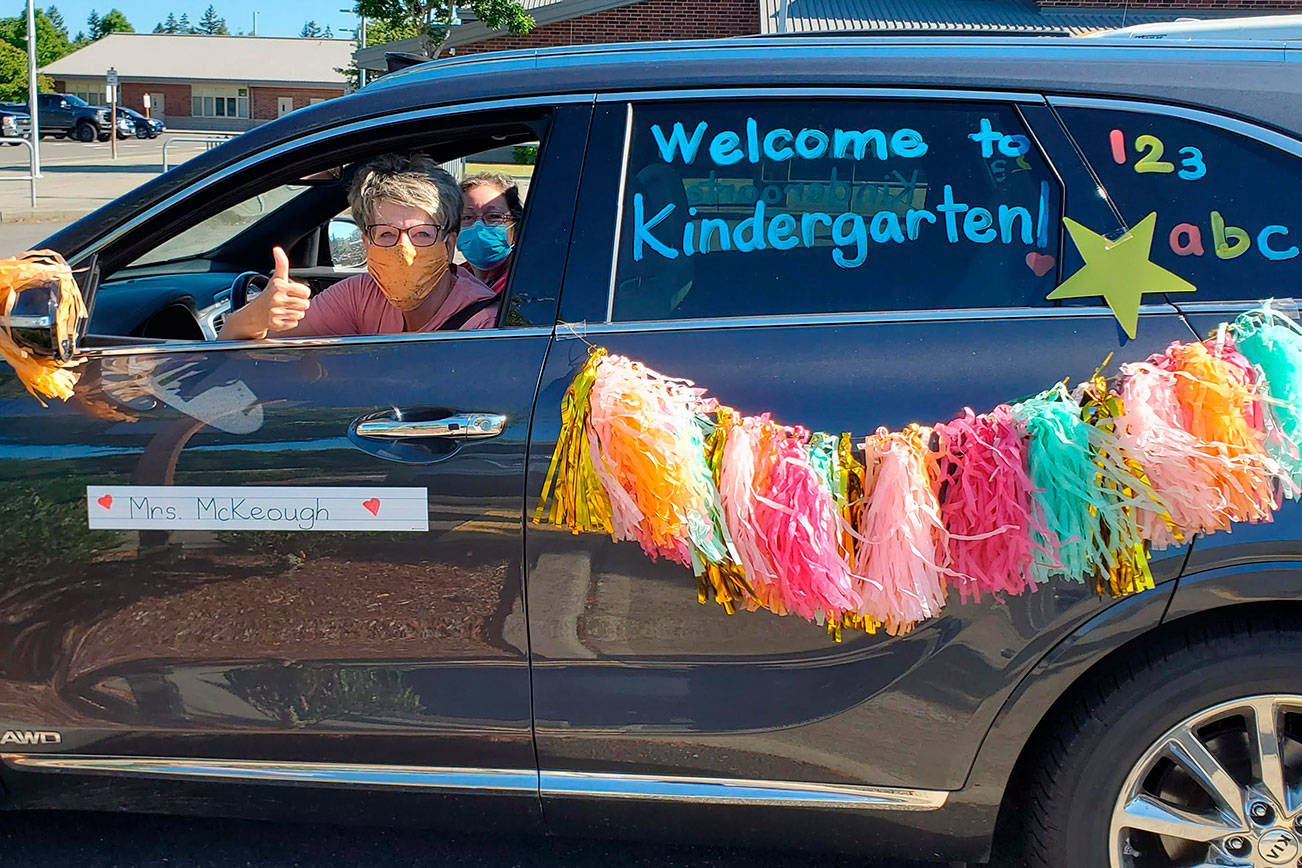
(503, 184)
(406, 179)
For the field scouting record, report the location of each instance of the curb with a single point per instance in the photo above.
(40, 215)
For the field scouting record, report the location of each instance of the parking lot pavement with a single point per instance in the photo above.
(76, 177)
(76, 840)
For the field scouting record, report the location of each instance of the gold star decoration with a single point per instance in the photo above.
(1119, 271)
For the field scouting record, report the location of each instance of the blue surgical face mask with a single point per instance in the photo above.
(484, 246)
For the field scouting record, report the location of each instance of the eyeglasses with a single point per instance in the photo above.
(420, 235)
(488, 220)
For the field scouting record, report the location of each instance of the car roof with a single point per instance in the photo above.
(1250, 79)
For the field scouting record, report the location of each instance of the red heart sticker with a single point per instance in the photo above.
(372, 505)
(105, 500)
(1040, 263)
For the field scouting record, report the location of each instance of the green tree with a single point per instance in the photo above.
(212, 23)
(168, 25)
(377, 33)
(51, 43)
(112, 21)
(433, 20)
(327, 33)
(310, 30)
(13, 75)
(56, 18)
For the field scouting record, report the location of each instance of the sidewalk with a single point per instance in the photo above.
(77, 178)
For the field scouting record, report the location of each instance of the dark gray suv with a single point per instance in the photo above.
(462, 662)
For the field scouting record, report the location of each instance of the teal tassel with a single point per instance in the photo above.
(1092, 526)
(1273, 344)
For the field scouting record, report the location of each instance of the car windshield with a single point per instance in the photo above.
(76, 100)
(221, 227)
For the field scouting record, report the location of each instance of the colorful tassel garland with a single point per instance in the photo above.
(1080, 484)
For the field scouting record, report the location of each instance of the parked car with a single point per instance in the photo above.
(62, 114)
(141, 126)
(483, 666)
(15, 125)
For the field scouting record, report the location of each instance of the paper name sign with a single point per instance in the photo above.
(279, 508)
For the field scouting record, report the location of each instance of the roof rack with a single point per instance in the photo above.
(1011, 31)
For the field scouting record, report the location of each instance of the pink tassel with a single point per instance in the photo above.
(799, 526)
(986, 504)
(741, 457)
(901, 530)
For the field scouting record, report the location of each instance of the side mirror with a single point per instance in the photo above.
(346, 247)
(34, 322)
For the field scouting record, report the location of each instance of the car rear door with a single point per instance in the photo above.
(288, 560)
(856, 317)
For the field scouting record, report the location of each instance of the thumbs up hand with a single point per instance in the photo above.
(286, 300)
(278, 308)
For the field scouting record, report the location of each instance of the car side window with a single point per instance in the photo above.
(817, 206)
(1229, 219)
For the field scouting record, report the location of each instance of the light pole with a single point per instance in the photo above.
(361, 43)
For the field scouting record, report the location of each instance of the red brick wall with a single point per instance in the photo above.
(262, 100)
(1231, 5)
(648, 19)
(176, 97)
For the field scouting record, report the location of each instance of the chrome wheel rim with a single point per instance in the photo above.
(1221, 788)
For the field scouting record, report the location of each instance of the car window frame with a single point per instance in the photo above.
(287, 153)
(590, 310)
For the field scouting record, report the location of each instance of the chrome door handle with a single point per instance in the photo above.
(466, 426)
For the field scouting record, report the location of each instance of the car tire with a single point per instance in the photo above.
(103, 137)
(142, 133)
(1131, 730)
(84, 132)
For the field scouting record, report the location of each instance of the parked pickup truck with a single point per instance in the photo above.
(63, 114)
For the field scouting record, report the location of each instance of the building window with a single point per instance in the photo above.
(219, 102)
(90, 93)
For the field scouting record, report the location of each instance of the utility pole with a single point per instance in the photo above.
(31, 89)
(361, 43)
(112, 79)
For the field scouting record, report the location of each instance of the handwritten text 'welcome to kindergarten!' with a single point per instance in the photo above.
(850, 231)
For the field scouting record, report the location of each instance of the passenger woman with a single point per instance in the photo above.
(490, 219)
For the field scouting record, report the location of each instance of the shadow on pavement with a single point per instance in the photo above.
(92, 169)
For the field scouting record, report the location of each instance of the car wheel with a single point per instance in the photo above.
(142, 133)
(84, 132)
(103, 137)
(1187, 752)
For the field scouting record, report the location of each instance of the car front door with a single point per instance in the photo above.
(877, 302)
(287, 560)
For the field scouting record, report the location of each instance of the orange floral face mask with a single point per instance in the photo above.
(407, 274)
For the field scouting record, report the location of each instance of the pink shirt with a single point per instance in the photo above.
(357, 306)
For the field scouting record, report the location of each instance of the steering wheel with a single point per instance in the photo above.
(240, 287)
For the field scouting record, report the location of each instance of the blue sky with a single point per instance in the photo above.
(274, 19)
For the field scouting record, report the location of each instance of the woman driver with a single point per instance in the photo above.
(409, 210)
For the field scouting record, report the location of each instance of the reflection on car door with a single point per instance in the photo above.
(344, 649)
(633, 679)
